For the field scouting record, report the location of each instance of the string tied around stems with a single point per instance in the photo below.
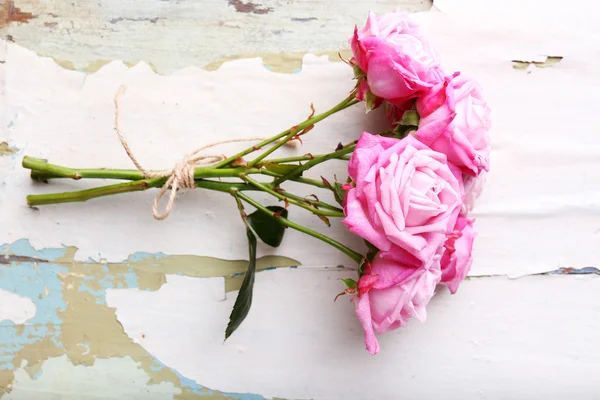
(181, 176)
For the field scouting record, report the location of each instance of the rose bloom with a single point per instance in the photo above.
(390, 293)
(457, 257)
(406, 198)
(455, 120)
(398, 61)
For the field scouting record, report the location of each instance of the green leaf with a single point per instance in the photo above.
(358, 73)
(244, 298)
(370, 100)
(368, 257)
(350, 283)
(339, 193)
(282, 169)
(268, 228)
(410, 118)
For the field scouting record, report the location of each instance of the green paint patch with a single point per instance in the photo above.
(151, 271)
(549, 62)
(283, 62)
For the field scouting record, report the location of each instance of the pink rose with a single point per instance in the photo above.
(473, 189)
(390, 293)
(398, 61)
(457, 257)
(455, 120)
(407, 197)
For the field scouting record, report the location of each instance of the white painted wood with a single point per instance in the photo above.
(15, 308)
(533, 337)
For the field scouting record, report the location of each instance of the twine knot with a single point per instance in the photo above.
(181, 176)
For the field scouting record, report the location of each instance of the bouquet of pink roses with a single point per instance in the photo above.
(408, 193)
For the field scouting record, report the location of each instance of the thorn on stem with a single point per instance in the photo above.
(347, 291)
(344, 60)
(325, 219)
(326, 183)
(306, 130)
(239, 162)
(312, 111)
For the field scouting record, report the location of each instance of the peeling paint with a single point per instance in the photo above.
(9, 14)
(159, 33)
(304, 19)
(550, 61)
(284, 62)
(249, 7)
(576, 271)
(5, 149)
(94, 66)
(72, 382)
(121, 19)
(560, 271)
(73, 319)
(11, 258)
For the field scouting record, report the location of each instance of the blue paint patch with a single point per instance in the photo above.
(576, 271)
(156, 367)
(28, 280)
(33, 280)
(22, 247)
(296, 70)
(37, 375)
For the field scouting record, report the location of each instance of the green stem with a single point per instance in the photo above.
(293, 132)
(314, 203)
(41, 170)
(286, 222)
(87, 194)
(309, 181)
(144, 184)
(300, 204)
(313, 162)
(302, 158)
(347, 102)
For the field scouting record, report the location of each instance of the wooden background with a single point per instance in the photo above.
(99, 301)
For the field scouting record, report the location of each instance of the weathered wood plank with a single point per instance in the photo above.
(170, 35)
